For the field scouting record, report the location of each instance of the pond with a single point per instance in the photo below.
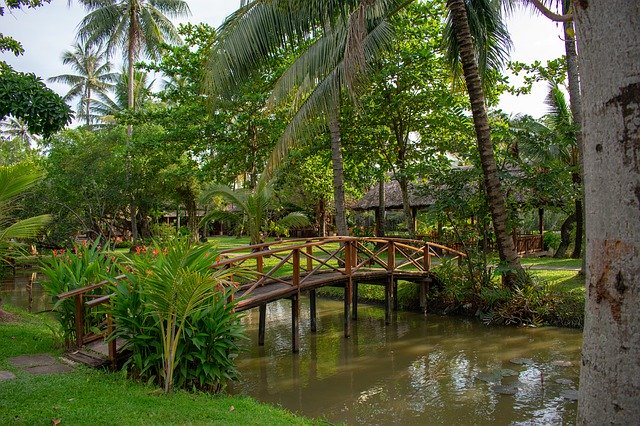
(418, 370)
(13, 290)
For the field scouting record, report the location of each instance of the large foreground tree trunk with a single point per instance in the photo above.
(495, 197)
(338, 169)
(609, 60)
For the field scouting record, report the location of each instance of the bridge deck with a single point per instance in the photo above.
(275, 290)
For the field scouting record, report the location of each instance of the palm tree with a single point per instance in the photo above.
(255, 207)
(93, 77)
(326, 65)
(15, 128)
(354, 32)
(136, 26)
(467, 47)
(106, 107)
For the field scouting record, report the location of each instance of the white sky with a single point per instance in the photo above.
(49, 30)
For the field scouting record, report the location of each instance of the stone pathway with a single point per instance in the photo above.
(35, 364)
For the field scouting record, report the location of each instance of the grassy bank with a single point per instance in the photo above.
(88, 396)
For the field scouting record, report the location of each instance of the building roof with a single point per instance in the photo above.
(418, 197)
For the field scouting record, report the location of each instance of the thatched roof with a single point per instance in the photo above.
(418, 197)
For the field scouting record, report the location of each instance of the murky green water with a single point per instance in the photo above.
(14, 292)
(419, 370)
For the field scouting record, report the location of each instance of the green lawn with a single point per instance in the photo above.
(86, 396)
(551, 262)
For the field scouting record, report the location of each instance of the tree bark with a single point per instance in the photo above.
(565, 236)
(380, 217)
(338, 169)
(131, 55)
(495, 197)
(406, 207)
(575, 101)
(609, 62)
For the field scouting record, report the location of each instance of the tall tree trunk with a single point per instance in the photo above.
(338, 169)
(577, 242)
(575, 101)
(495, 197)
(321, 217)
(409, 220)
(88, 105)
(382, 211)
(131, 53)
(609, 61)
(565, 236)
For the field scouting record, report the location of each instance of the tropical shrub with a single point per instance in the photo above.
(176, 315)
(71, 269)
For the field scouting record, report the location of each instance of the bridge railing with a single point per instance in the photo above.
(289, 262)
(294, 262)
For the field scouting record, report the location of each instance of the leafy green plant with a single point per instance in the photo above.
(71, 269)
(176, 315)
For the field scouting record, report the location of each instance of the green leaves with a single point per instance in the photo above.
(176, 316)
(26, 97)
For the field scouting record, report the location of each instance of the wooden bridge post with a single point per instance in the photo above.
(309, 258)
(262, 309)
(295, 323)
(388, 294)
(295, 303)
(312, 310)
(112, 344)
(79, 320)
(348, 288)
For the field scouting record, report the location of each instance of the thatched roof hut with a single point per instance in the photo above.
(418, 197)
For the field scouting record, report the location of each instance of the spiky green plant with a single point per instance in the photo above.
(171, 292)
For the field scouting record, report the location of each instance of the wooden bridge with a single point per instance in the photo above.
(287, 269)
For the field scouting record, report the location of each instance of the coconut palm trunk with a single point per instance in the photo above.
(575, 101)
(338, 168)
(495, 197)
(131, 55)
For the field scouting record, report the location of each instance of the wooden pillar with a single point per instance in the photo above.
(348, 287)
(312, 310)
(388, 299)
(262, 322)
(112, 344)
(354, 302)
(395, 295)
(295, 323)
(424, 290)
(79, 320)
(309, 259)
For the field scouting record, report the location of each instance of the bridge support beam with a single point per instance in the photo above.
(348, 293)
(312, 310)
(262, 323)
(295, 323)
(388, 299)
(424, 290)
(354, 304)
(395, 295)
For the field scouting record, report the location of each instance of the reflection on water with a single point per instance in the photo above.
(13, 290)
(419, 370)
